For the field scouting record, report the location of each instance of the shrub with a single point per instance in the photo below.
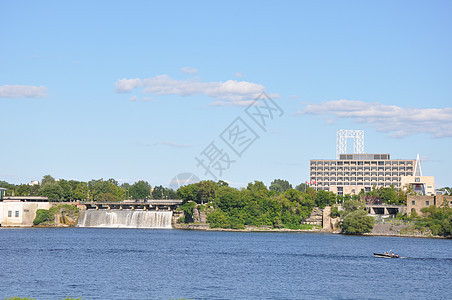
(188, 209)
(218, 219)
(43, 215)
(335, 212)
(357, 222)
(64, 208)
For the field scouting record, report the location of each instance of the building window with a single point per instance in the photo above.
(17, 213)
(413, 202)
(10, 213)
(417, 179)
(427, 203)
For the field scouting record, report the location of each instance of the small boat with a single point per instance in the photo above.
(386, 255)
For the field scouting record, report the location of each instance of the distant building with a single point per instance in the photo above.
(21, 211)
(353, 172)
(34, 182)
(421, 185)
(2, 193)
(417, 202)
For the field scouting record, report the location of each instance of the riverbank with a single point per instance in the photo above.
(402, 231)
(378, 230)
(206, 227)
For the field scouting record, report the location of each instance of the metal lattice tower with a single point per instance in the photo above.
(358, 141)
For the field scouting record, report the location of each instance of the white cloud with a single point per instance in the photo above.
(189, 70)
(397, 121)
(230, 92)
(125, 85)
(22, 91)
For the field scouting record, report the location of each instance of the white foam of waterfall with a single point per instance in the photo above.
(125, 218)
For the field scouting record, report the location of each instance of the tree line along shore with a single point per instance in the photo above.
(279, 206)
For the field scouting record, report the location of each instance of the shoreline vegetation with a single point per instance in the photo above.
(209, 205)
(313, 231)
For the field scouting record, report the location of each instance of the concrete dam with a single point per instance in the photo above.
(137, 214)
(125, 219)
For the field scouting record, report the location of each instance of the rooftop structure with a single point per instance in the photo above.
(341, 141)
(421, 185)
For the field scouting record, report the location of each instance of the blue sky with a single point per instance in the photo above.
(137, 90)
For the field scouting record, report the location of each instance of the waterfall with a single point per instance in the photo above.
(125, 218)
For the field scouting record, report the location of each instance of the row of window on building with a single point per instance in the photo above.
(367, 169)
(10, 214)
(360, 183)
(353, 176)
(427, 203)
(363, 163)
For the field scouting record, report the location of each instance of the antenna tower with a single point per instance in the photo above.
(341, 141)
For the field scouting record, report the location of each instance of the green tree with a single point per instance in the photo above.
(80, 190)
(158, 192)
(387, 195)
(357, 222)
(353, 205)
(188, 193)
(43, 215)
(206, 191)
(188, 209)
(324, 198)
(257, 189)
(437, 219)
(51, 190)
(228, 199)
(280, 186)
(218, 219)
(140, 190)
(23, 190)
(105, 190)
(66, 189)
(302, 187)
(47, 179)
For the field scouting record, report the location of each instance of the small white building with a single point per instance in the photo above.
(21, 211)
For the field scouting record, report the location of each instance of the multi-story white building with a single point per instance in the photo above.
(353, 172)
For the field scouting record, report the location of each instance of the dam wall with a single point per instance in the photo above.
(116, 218)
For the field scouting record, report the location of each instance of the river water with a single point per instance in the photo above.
(100, 263)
